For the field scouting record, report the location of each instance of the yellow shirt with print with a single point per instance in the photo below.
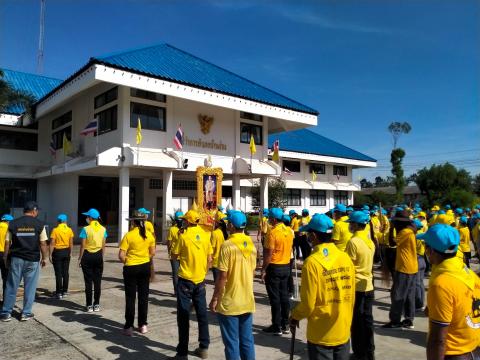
(303, 221)
(95, 235)
(295, 224)
(136, 247)
(406, 261)
(464, 239)
(193, 249)
(62, 234)
(340, 233)
(280, 240)
(361, 250)
(238, 258)
(327, 296)
(172, 238)
(3, 235)
(217, 240)
(450, 304)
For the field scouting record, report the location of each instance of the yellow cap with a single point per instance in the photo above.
(220, 216)
(191, 216)
(422, 214)
(435, 208)
(443, 219)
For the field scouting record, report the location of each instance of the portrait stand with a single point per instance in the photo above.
(209, 193)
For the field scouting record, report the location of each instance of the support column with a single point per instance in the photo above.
(236, 192)
(123, 201)
(167, 200)
(263, 193)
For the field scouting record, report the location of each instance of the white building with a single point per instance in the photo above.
(164, 87)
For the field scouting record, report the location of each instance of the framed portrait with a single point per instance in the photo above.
(209, 188)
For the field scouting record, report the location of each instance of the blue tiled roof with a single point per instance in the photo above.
(36, 85)
(309, 142)
(167, 62)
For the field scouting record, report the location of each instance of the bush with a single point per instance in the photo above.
(252, 222)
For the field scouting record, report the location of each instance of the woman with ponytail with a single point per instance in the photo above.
(137, 249)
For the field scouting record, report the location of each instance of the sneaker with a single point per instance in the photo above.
(26, 317)
(408, 324)
(96, 308)
(143, 329)
(89, 308)
(420, 309)
(285, 330)
(128, 331)
(392, 325)
(65, 294)
(272, 329)
(59, 296)
(201, 353)
(5, 317)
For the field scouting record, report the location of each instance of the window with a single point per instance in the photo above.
(156, 184)
(57, 137)
(292, 166)
(152, 117)
(340, 197)
(18, 140)
(318, 198)
(339, 170)
(106, 97)
(250, 116)
(62, 120)
(247, 130)
(293, 197)
(107, 120)
(184, 185)
(147, 95)
(317, 168)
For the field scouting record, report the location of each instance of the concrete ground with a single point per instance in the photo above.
(62, 329)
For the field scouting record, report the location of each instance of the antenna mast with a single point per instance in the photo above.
(41, 38)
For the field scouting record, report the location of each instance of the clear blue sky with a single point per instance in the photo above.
(361, 64)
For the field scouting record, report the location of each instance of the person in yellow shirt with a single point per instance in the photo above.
(341, 234)
(3, 234)
(172, 239)
(217, 239)
(136, 251)
(92, 248)
(233, 298)
(295, 224)
(305, 246)
(142, 212)
(361, 250)
(464, 239)
(452, 299)
(262, 226)
(194, 251)
(433, 215)
(61, 245)
(327, 294)
(276, 271)
(420, 286)
(476, 230)
(406, 268)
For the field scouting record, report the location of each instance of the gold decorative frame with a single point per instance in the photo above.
(206, 214)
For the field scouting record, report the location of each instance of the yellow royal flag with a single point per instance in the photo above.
(253, 149)
(314, 175)
(139, 132)
(67, 145)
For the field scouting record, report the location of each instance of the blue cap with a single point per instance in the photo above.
(237, 219)
(448, 207)
(291, 212)
(178, 214)
(265, 212)
(441, 212)
(349, 208)
(375, 207)
(320, 223)
(384, 212)
(477, 206)
(340, 207)
(7, 217)
(365, 207)
(143, 211)
(276, 213)
(62, 218)
(476, 216)
(305, 211)
(442, 238)
(459, 211)
(286, 219)
(93, 213)
(467, 209)
(359, 217)
(418, 224)
(220, 207)
(464, 220)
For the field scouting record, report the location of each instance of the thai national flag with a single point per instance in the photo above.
(91, 128)
(178, 139)
(287, 172)
(52, 149)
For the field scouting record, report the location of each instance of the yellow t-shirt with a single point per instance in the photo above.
(295, 224)
(464, 239)
(264, 226)
(280, 240)
(94, 235)
(476, 233)
(150, 228)
(449, 302)
(172, 238)
(327, 295)
(3, 235)
(304, 220)
(361, 250)
(406, 260)
(136, 247)
(421, 243)
(238, 258)
(193, 249)
(62, 235)
(341, 234)
(217, 240)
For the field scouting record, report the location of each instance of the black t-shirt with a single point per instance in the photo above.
(25, 238)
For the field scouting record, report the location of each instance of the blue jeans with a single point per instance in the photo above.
(29, 271)
(237, 336)
(175, 264)
(188, 293)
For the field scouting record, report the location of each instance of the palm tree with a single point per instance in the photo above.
(10, 97)
(396, 129)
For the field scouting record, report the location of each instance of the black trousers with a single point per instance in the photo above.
(136, 279)
(4, 273)
(390, 256)
(276, 281)
(466, 258)
(363, 344)
(305, 246)
(61, 264)
(92, 266)
(320, 352)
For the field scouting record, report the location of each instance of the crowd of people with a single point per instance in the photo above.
(338, 251)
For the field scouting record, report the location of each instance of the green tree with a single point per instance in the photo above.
(476, 184)
(364, 183)
(11, 97)
(276, 194)
(397, 129)
(399, 180)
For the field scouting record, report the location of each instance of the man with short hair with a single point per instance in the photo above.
(305, 246)
(340, 234)
(26, 239)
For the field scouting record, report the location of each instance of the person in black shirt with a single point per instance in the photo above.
(26, 239)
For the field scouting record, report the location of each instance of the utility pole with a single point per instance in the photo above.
(41, 38)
